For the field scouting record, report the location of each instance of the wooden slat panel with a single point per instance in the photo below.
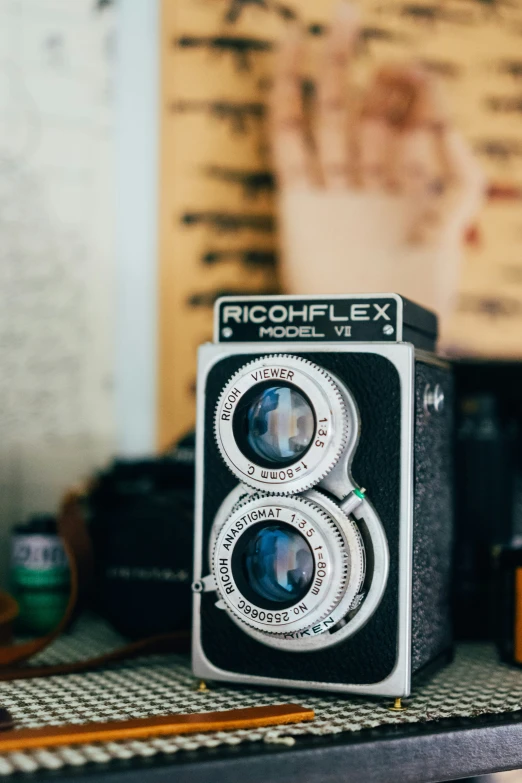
(476, 46)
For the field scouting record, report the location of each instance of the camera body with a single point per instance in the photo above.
(324, 504)
(140, 521)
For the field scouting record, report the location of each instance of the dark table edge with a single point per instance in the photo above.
(417, 753)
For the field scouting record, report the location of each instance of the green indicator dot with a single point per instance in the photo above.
(359, 493)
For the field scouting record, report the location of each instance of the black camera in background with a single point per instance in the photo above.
(488, 473)
(140, 515)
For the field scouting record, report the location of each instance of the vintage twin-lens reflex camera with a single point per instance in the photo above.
(323, 494)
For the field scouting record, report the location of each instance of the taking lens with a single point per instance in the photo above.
(280, 424)
(279, 564)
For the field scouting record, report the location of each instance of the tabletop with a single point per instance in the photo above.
(465, 720)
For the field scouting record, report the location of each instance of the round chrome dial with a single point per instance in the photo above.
(282, 422)
(320, 564)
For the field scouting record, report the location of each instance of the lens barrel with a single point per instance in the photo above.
(282, 422)
(283, 565)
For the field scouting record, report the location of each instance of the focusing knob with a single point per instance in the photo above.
(282, 564)
(282, 423)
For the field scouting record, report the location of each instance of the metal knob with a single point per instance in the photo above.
(433, 399)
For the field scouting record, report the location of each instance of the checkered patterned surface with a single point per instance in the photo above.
(474, 684)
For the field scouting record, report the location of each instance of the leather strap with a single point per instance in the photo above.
(141, 728)
(73, 531)
(178, 642)
(8, 614)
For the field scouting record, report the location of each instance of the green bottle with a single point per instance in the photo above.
(40, 576)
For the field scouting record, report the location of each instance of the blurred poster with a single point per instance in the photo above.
(56, 254)
(216, 217)
(217, 227)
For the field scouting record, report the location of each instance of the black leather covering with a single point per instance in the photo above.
(433, 520)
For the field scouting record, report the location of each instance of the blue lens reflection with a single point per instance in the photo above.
(280, 424)
(279, 564)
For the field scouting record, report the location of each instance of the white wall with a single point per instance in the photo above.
(136, 141)
(78, 213)
(57, 217)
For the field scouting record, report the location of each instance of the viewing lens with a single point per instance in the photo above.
(279, 564)
(280, 424)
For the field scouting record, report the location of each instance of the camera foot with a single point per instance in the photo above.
(201, 686)
(397, 705)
